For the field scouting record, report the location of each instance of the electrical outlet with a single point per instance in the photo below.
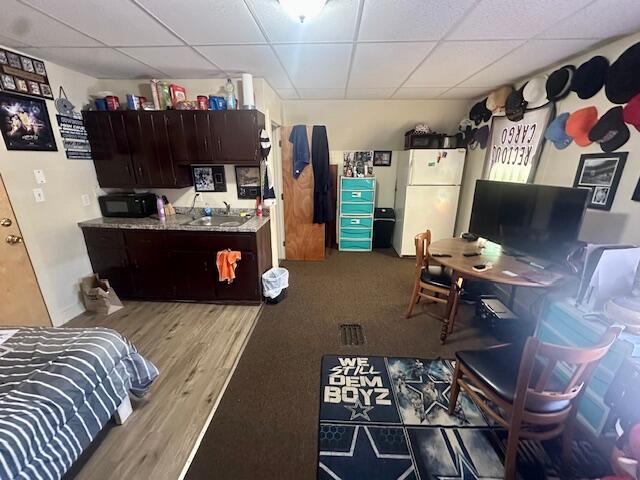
(38, 194)
(39, 176)
(86, 201)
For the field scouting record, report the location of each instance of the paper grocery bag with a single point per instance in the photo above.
(99, 296)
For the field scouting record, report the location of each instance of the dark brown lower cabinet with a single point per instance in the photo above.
(176, 265)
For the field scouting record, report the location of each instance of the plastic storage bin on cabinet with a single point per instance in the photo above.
(357, 199)
(384, 221)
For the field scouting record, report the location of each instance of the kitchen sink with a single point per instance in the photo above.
(220, 221)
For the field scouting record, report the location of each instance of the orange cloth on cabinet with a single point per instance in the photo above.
(227, 263)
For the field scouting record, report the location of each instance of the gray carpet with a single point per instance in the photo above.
(266, 424)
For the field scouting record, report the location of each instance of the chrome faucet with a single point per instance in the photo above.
(228, 207)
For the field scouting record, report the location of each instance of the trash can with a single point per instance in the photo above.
(275, 282)
(384, 220)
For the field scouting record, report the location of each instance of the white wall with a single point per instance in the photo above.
(558, 167)
(53, 239)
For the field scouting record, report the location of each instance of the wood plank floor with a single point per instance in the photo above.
(195, 347)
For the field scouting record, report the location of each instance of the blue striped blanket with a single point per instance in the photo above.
(58, 388)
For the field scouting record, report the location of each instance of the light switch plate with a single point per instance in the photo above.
(38, 194)
(86, 200)
(39, 176)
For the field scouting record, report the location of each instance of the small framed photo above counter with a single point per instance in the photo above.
(209, 178)
(382, 158)
(248, 182)
(25, 125)
(600, 173)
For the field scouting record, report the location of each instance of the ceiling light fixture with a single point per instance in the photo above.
(302, 10)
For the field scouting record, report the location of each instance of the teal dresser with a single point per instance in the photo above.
(355, 224)
(562, 323)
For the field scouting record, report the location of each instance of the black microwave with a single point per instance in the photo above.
(134, 205)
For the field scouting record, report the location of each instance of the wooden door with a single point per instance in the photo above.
(193, 275)
(174, 173)
(21, 301)
(148, 261)
(304, 240)
(204, 137)
(246, 285)
(236, 134)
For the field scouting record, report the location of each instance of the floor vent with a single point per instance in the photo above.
(351, 334)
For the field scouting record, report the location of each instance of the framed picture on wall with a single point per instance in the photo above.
(248, 182)
(382, 158)
(25, 125)
(209, 178)
(600, 173)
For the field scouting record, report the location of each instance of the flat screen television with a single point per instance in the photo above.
(538, 220)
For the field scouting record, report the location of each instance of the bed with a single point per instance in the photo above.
(58, 388)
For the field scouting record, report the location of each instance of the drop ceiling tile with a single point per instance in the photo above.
(321, 93)
(410, 19)
(336, 22)
(116, 22)
(602, 19)
(380, 65)
(259, 60)
(317, 65)
(505, 19)
(419, 93)
(96, 62)
(465, 92)
(12, 42)
(287, 93)
(31, 27)
(530, 57)
(452, 62)
(177, 62)
(370, 93)
(202, 22)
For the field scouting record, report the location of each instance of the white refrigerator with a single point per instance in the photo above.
(427, 191)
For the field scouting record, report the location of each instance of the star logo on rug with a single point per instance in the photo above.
(359, 410)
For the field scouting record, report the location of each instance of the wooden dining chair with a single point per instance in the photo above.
(431, 280)
(532, 392)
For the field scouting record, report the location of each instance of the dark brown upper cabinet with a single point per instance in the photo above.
(156, 149)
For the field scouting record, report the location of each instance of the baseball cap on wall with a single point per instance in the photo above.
(479, 112)
(556, 132)
(497, 99)
(534, 92)
(482, 136)
(559, 82)
(580, 123)
(622, 81)
(610, 132)
(515, 105)
(631, 112)
(589, 77)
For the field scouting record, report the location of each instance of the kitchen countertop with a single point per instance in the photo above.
(176, 222)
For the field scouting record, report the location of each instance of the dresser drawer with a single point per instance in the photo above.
(103, 237)
(364, 245)
(357, 196)
(356, 208)
(356, 233)
(358, 183)
(355, 222)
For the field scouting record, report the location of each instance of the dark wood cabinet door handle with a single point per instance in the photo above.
(219, 145)
(206, 266)
(206, 145)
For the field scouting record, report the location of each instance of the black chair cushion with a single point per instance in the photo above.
(436, 275)
(497, 367)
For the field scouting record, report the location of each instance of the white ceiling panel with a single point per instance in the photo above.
(115, 22)
(287, 93)
(177, 62)
(419, 93)
(12, 42)
(206, 22)
(602, 19)
(381, 65)
(96, 62)
(506, 19)
(336, 22)
(321, 93)
(532, 56)
(31, 27)
(316, 65)
(410, 19)
(370, 93)
(452, 62)
(465, 92)
(259, 60)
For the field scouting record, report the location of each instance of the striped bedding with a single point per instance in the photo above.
(58, 388)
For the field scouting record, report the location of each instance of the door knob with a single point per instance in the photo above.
(13, 239)
(6, 222)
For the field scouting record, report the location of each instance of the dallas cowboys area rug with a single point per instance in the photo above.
(386, 418)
